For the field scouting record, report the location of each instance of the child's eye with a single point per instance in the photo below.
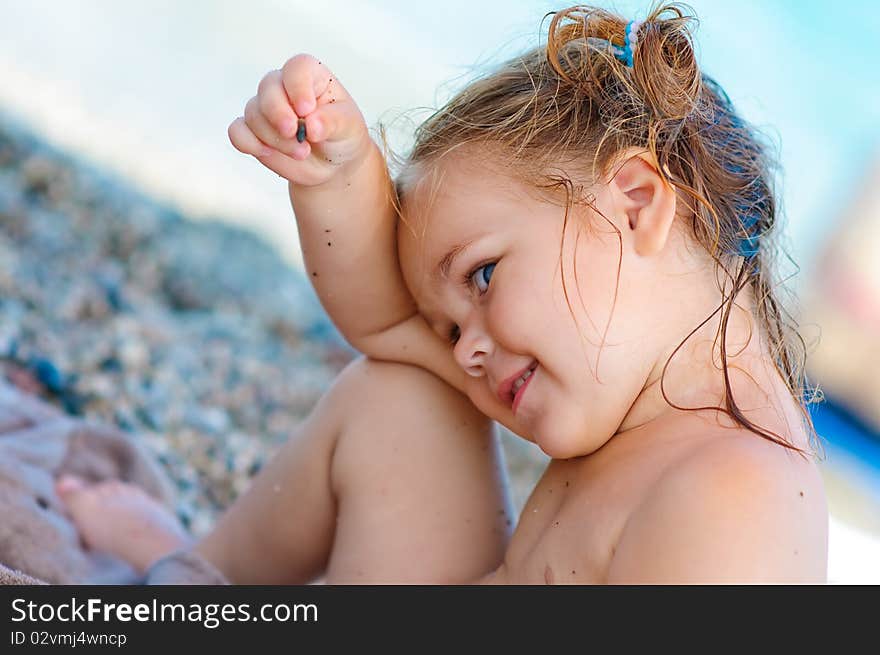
(454, 334)
(481, 277)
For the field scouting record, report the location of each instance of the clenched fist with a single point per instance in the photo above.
(302, 124)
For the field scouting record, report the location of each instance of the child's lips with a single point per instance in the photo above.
(519, 394)
(505, 389)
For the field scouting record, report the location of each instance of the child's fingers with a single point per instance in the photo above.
(335, 121)
(245, 141)
(275, 105)
(306, 79)
(300, 170)
(258, 124)
(266, 133)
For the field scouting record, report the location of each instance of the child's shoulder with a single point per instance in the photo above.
(734, 508)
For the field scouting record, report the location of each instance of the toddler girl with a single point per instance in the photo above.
(581, 242)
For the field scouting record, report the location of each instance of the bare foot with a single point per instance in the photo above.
(122, 519)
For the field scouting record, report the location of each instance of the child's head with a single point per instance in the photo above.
(614, 209)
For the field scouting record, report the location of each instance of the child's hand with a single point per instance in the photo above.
(303, 92)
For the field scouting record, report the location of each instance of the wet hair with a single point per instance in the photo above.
(565, 111)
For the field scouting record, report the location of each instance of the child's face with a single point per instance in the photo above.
(502, 306)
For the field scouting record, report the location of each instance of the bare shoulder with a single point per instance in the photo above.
(736, 509)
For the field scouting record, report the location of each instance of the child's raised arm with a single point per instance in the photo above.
(304, 126)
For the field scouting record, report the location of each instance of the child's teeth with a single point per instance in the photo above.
(521, 381)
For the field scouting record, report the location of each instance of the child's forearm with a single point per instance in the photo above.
(304, 126)
(347, 232)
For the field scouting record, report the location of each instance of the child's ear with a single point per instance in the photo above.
(648, 203)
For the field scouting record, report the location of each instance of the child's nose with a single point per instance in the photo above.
(473, 348)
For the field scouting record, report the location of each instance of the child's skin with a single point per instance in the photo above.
(369, 489)
(637, 492)
(394, 477)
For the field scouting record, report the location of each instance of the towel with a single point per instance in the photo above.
(184, 567)
(38, 541)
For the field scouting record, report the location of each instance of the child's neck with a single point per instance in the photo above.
(694, 378)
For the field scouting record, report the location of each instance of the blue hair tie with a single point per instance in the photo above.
(749, 246)
(749, 211)
(630, 40)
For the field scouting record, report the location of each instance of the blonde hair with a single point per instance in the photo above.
(571, 105)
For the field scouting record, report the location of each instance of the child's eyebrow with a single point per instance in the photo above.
(445, 264)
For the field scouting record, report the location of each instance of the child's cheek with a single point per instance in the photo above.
(510, 311)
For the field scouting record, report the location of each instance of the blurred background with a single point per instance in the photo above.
(150, 274)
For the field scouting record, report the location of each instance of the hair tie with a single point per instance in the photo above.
(749, 245)
(630, 40)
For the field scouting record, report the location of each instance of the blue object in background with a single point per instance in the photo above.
(841, 428)
(48, 374)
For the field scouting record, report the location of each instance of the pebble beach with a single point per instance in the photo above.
(196, 338)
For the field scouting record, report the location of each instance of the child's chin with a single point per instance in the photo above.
(556, 450)
(561, 443)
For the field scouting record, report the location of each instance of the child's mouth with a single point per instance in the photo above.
(519, 387)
